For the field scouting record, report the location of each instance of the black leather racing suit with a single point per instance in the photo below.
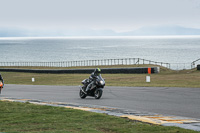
(92, 80)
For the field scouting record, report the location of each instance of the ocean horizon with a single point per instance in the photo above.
(168, 49)
(65, 37)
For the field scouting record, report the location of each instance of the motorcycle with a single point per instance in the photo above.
(95, 91)
(1, 86)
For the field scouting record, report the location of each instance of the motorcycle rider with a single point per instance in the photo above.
(92, 78)
(1, 79)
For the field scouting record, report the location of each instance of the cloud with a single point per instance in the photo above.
(98, 14)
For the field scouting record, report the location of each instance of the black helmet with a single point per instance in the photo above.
(97, 71)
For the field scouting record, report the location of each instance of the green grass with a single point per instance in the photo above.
(26, 117)
(166, 78)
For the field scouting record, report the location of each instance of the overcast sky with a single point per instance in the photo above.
(117, 15)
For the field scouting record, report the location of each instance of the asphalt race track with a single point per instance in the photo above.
(183, 102)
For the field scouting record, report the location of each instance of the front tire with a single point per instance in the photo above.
(82, 94)
(98, 93)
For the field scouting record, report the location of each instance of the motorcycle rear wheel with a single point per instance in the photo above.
(82, 94)
(98, 94)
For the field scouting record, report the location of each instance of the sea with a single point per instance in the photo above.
(168, 49)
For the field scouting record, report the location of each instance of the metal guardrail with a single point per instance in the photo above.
(106, 62)
(194, 63)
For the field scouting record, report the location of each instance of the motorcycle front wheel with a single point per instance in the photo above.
(82, 95)
(98, 93)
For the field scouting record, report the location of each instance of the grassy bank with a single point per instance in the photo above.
(166, 78)
(25, 117)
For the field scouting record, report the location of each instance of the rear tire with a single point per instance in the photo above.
(98, 93)
(82, 94)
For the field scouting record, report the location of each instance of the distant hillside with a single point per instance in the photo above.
(163, 30)
(17, 32)
(144, 31)
(12, 32)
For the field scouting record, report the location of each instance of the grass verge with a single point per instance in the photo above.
(26, 117)
(166, 78)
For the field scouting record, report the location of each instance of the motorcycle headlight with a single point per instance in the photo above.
(102, 83)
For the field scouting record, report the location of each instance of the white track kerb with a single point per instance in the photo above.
(183, 122)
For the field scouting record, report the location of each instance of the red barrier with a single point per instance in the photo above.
(149, 70)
